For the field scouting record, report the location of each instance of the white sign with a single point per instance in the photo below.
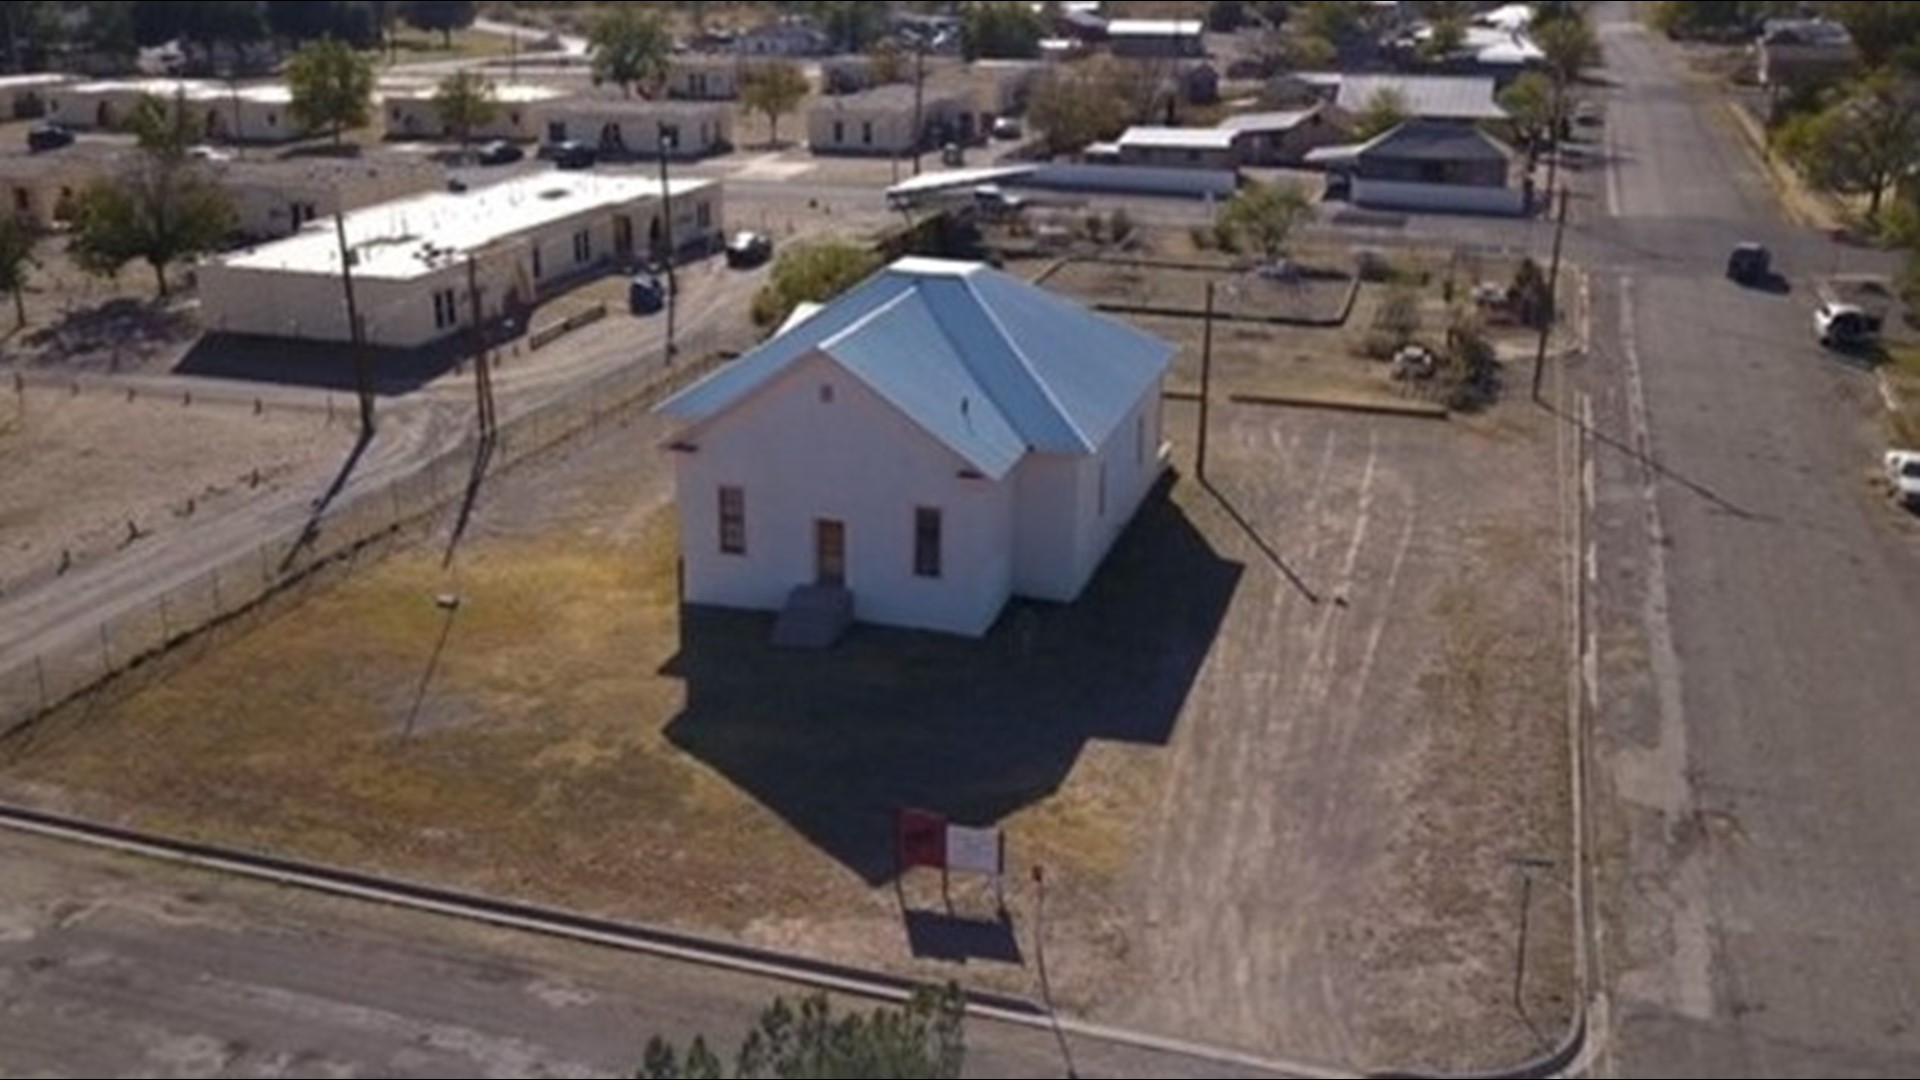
(974, 851)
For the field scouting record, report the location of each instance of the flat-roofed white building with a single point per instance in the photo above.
(522, 113)
(25, 96)
(704, 77)
(277, 197)
(634, 128)
(525, 238)
(262, 112)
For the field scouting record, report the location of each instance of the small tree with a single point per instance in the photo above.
(1448, 34)
(465, 101)
(926, 1038)
(1399, 316)
(1078, 105)
(332, 87)
(162, 210)
(630, 47)
(1529, 102)
(1384, 111)
(445, 16)
(1001, 31)
(811, 273)
(1226, 16)
(1569, 45)
(1862, 144)
(1472, 363)
(774, 90)
(1262, 217)
(17, 240)
(887, 62)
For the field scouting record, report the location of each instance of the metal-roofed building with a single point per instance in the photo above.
(937, 440)
(880, 121)
(1280, 137)
(250, 113)
(25, 96)
(622, 127)
(1424, 97)
(527, 238)
(522, 111)
(1195, 148)
(1157, 38)
(1428, 165)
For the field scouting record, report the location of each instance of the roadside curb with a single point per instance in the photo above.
(1801, 206)
(655, 941)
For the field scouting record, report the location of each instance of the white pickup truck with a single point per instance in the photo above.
(1903, 474)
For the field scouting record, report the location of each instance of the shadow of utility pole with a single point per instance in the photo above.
(482, 460)
(319, 507)
(1273, 556)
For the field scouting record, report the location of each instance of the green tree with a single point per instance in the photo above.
(332, 87)
(1336, 21)
(1449, 33)
(1384, 111)
(774, 90)
(811, 273)
(17, 240)
(1570, 47)
(1880, 30)
(1226, 16)
(162, 209)
(630, 46)
(465, 101)
(887, 63)
(203, 23)
(923, 1039)
(1862, 144)
(301, 21)
(1078, 104)
(29, 27)
(852, 25)
(1001, 31)
(1529, 102)
(445, 16)
(1263, 217)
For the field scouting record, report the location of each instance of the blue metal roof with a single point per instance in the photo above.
(990, 366)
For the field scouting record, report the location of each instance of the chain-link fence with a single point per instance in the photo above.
(348, 531)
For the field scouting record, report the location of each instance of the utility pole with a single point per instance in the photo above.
(482, 375)
(362, 377)
(919, 102)
(1206, 387)
(1552, 313)
(666, 236)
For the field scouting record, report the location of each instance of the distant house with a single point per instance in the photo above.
(784, 37)
(1428, 165)
(522, 113)
(41, 188)
(24, 97)
(1157, 38)
(936, 441)
(881, 121)
(260, 113)
(275, 197)
(1192, 148)
(1802, 53)
(704, 77)
(1424, 97)
(1200, 84)
(1280, 137)
(630, 127)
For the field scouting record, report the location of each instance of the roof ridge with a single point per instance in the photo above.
(1026, 365)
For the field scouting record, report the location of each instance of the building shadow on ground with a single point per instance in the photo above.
(320, 365)
(976, 730)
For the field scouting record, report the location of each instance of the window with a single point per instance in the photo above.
(703, 215)
(839, 131)
(273, 119)
(926, 542)
(446, 310)
(1140, 439)
(866, 133)
(1103, 489)
(733, 520)
(22, 200)
(539, 271)
(583, 247)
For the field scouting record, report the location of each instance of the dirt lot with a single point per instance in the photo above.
(82, 467)
(1277, 762)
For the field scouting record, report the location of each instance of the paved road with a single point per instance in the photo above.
(114, 966)
(1759, 624)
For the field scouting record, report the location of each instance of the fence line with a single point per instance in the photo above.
(355, 526)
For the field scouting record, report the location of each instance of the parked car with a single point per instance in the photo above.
(498, 152)
(646, 293)
(748, 249)
(48, 136)
(1006, 127)
(204, 152)
(1903, 472)
(1842, 326)
(1587, 114)
(1750, 264)
(570, 154)
(992, 200)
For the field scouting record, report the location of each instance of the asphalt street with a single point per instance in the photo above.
(1758, 609)
(112, 965)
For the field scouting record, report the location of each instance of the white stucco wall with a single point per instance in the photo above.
(1441, 198)
(858, 460)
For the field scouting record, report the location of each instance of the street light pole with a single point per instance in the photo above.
(667, 139)
(1553, 296)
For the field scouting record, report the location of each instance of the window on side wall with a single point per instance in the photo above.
(733, 520)
(926, 542)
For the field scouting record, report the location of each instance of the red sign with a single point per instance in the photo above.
(919, 839)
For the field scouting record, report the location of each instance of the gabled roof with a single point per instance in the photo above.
(1155, 27)
(1431, 97)
(1279, 120)
(1419, 140)
(988, 365)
